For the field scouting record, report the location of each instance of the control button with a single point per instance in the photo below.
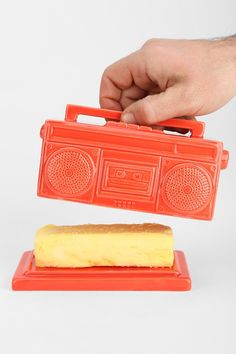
(133, 126)
(111, 124)
(145, 128)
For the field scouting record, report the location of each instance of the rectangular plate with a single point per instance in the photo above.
(30, 277)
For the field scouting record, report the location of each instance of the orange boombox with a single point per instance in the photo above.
(130, 166)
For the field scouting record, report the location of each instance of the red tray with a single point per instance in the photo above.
(30, 277)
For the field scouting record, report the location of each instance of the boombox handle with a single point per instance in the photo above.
(72, 112)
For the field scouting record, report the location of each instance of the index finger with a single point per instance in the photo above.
(115, 79)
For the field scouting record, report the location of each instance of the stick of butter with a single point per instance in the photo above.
(140, 245)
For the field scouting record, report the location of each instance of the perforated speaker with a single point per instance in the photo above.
(187, 188)
(69, 171)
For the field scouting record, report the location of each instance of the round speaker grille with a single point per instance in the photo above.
(187, 188)
(69, 171)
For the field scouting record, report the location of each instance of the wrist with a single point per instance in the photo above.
(225, 51)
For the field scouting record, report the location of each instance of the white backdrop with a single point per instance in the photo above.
(53, 53)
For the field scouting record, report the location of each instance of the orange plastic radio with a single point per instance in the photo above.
(130, 166)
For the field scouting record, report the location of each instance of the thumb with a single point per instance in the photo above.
(155, 108)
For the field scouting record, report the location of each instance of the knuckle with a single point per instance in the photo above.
(106, 73)
(150, 42)
(102, 101)
(153, 48)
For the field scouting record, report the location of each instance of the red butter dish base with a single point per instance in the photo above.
(30, 277)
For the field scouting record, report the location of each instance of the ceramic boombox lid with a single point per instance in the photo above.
(130, 166)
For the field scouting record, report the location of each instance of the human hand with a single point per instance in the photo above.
(171, 78)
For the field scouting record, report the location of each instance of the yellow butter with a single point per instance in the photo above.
(141, 245)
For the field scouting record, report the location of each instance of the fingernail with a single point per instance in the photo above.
(128, 117)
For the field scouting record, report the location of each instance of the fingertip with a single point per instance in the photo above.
(128, 117)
